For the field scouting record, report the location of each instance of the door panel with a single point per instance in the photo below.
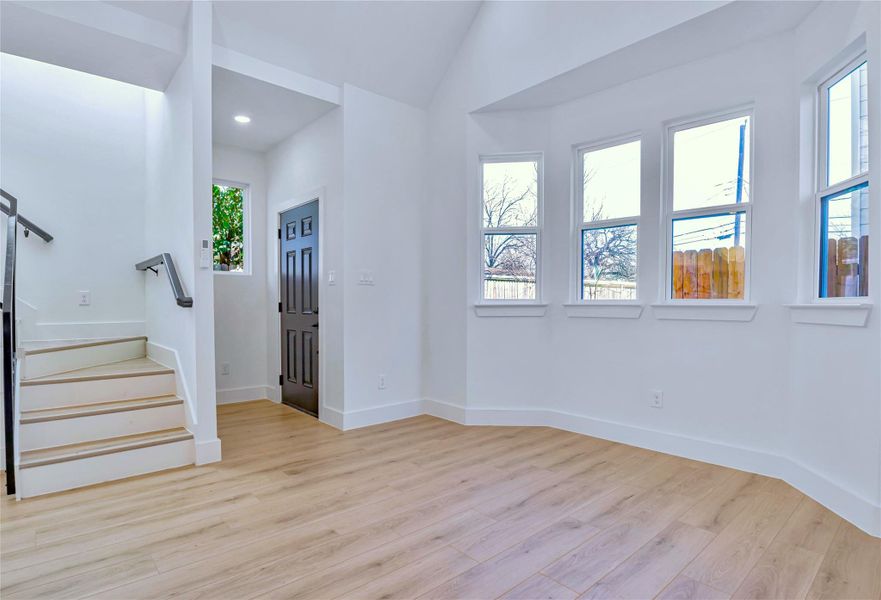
(299, 315)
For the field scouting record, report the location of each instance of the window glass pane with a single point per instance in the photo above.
(229, 228)
(510, 194)
(711, 164)
(509, 266)
(848, 132)
(844, 248)
(611, 181)
(608, 263)
(709, 257)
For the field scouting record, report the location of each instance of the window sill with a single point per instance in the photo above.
(604, 310)
(232, 273)
(705, 312)
(530, 309)
(843, 315)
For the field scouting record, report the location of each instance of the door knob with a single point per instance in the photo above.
(315, 326)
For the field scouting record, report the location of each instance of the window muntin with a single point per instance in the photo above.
(510, 227)
(229, 228)
(843, 184)
(708, 208)
(608, 189)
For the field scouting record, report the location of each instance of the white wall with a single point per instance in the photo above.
(833, 425)
(306, 166)
(384, 166)
(239, 338)
(365, 161)
(72, 151)
(178, 215)
(756, 395)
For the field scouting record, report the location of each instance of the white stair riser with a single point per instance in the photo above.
(67, 475)
(97, 390)
(61, 361)
(46, 434)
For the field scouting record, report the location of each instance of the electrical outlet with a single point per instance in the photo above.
(224, 369)
(381, 383)
(85, 297)
(656, 399)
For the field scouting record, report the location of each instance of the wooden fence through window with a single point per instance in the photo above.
(709, 273)
(847, 267)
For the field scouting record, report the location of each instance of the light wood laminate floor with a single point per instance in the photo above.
(424, 508)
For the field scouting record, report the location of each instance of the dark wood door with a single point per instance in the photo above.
(299, 307)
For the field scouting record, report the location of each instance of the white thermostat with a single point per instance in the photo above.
(205, 256)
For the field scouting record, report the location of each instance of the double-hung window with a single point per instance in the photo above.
(608, 200)
(707, 208)
(843, 184)
(511, 190)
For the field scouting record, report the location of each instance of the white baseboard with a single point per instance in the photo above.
(860, 511)
(244, 394)
(207, 451)
(365, 417)
(169, 357)
(331, 416)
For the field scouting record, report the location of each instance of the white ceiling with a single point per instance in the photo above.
(275, 112)
(95, 37)
(170, 12)
(716, 31)
(397, 49)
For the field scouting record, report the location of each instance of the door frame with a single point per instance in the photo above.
(296, 202)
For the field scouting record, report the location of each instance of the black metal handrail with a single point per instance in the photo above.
(9, 333)
(9, 342)
(177, 288)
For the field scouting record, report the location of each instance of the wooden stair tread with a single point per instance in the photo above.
(96, 408)
(76, 345)
(134, 367)
(57, 454)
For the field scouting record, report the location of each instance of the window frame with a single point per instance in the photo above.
(822, 189)
(538, 158)
(670, 215)
(246, 226)
(580, 225)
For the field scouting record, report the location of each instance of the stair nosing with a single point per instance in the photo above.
(135, 404)
(123, 447)
(50, 349)
(123, 375)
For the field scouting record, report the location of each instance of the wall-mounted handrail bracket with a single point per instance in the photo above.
(27, 224)
(177, 288)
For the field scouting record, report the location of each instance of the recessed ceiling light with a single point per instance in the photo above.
(242, 119)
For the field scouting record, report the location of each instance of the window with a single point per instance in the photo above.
(230, 228)
(510, 227)
(608, 188)
(708, 203)
(843, 184)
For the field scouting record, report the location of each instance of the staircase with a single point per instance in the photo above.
(94, 412)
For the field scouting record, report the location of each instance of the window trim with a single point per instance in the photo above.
(246, 226)
(822, 190)
(668, 214)
(537, 157)
(580, 225)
